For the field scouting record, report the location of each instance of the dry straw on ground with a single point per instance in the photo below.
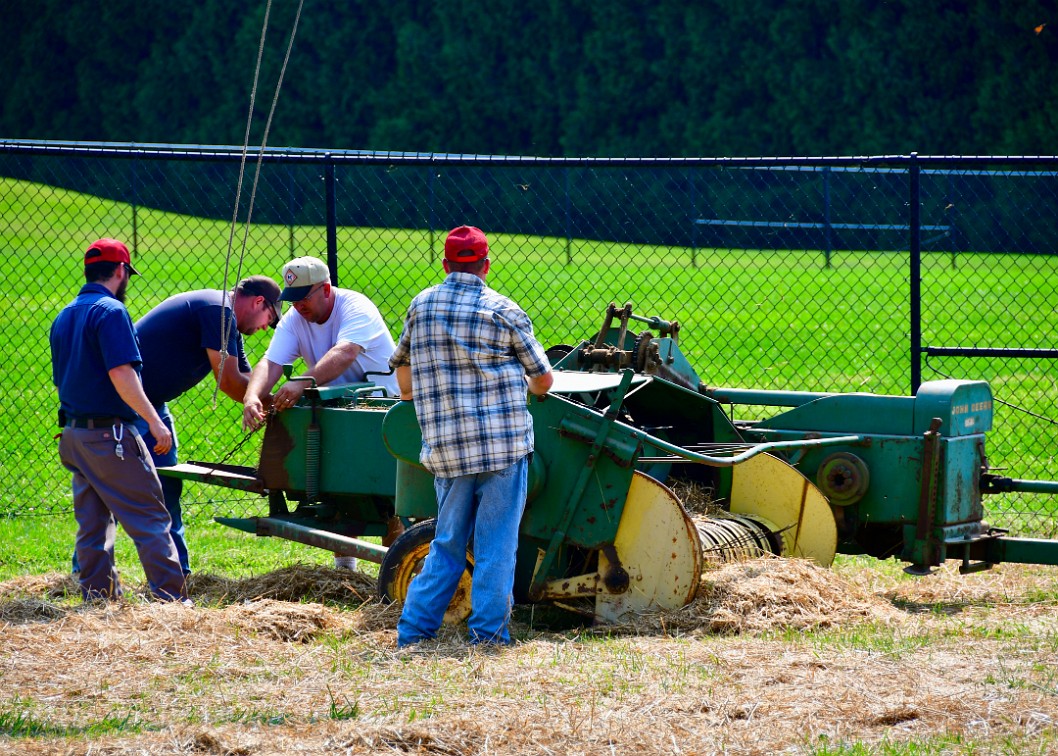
(304, 660)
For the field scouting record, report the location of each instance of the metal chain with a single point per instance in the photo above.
(217, 465)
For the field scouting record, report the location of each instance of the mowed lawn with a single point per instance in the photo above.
(749, 318)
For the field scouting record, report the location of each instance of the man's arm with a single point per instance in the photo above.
(337, 360)
(232, 381)
(541, 384)
(261, 381)
(403, 374)
(127, 383)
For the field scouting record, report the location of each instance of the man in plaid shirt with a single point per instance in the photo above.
(464, 356)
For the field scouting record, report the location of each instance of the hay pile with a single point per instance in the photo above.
(752, 597)
(299, 582)
(286, 605)
(252, 673)
(772, 594)
(697, 499)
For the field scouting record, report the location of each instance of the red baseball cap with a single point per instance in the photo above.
(109, 250)
(466, 244)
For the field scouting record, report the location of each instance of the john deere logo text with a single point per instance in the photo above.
(962, 409)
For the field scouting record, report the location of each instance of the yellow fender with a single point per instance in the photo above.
(786, 502)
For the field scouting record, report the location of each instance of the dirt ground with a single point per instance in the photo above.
(773, 656)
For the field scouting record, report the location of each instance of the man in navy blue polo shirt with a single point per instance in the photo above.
(181, 342)
(95, 367)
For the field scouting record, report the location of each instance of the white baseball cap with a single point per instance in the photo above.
(300, 275)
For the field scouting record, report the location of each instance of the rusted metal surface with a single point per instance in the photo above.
(269, 526)
(228, 476)
(928, 488)
(278, 443)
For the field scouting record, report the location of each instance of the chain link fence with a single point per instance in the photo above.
(836, 274)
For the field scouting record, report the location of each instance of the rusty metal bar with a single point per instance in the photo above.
(324, 539)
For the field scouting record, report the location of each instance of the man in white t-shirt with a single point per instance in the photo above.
(341, 337)
(338, 333)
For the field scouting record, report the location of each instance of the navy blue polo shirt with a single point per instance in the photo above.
(174, 337)
(91, 336)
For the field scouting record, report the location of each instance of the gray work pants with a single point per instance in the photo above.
(108, 488)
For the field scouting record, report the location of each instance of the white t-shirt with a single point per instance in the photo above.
(354, 319)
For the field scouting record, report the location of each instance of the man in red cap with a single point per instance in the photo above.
(181, 341)
(95, 367)
(465, 355)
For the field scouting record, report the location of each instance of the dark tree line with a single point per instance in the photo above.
(542, 77)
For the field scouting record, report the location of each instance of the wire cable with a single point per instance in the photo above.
(226, 322)
(995, 398)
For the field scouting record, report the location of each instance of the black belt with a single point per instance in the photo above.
(92, 423)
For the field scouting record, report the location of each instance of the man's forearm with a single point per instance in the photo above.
(403, 374)
(127, 383)
(230, 380)
(337, 360)
(235, 385)
(262, 379)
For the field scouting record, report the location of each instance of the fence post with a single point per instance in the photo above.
(569, 240)
(332, 221)
(914, 223)
(290, 207)
(694, 214)
(431, 220)
(135, 213)
(826, 212)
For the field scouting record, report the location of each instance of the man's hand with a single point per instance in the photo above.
(254, 401)
(288, 395)
(163, 439)
(253, 413)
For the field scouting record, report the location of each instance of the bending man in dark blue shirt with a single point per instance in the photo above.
(181, 342)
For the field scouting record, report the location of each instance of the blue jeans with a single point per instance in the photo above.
(488, 506)
(171, 487)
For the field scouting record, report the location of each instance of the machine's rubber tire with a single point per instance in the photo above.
(404, 560)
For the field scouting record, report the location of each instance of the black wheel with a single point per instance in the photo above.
(557, 352)
(404, 560)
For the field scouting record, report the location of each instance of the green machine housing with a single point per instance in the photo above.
(899, 476)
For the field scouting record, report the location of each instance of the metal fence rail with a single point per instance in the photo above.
(818, 274)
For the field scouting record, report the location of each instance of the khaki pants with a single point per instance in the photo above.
(107, 488)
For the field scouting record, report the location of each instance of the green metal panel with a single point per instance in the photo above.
(565, 455)
(401, 434)
(675, 364)
(849, 413)
(415, 493)
(351, 459)
(959, 490)
(964, 407)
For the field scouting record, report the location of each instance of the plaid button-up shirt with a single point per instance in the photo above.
(470, 349)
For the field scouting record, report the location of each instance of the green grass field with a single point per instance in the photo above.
(761, 319)
(42, 545)
(948, 664)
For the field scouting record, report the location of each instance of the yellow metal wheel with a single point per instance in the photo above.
(777, 495)
(657, 545)
(404, 560)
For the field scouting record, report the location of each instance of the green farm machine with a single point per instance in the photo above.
(627, 422)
